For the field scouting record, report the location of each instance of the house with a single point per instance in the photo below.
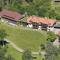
(10, 16)
(38, 22)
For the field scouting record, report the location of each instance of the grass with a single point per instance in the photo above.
(17, 55)
(25, 38)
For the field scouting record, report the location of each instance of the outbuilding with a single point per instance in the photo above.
(10, 16)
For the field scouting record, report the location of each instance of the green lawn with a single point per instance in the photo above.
(17, 55)
(25, 38)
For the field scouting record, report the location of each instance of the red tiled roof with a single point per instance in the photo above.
(36, 19)
(11, 15)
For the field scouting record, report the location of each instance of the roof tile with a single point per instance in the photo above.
(36, 19)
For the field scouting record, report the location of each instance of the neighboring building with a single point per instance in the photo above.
(10, 16)
(45, 23)
(57, 0)
(57, 27)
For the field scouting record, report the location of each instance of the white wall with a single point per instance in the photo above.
(30, 25)
(4, 20)
(50, 28)
(39, 27)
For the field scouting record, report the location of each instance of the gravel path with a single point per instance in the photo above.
(14, 46)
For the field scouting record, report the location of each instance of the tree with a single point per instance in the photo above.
(35, 7)
(3, 51)
(51, 36)
(29, 1)
(42, 7)
(52, 14)
(52, 52)
(58, 16)
(4, 55)
(42, 46)
(3, 34)
(27, 55)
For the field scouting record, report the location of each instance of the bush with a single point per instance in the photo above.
(51, 36)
